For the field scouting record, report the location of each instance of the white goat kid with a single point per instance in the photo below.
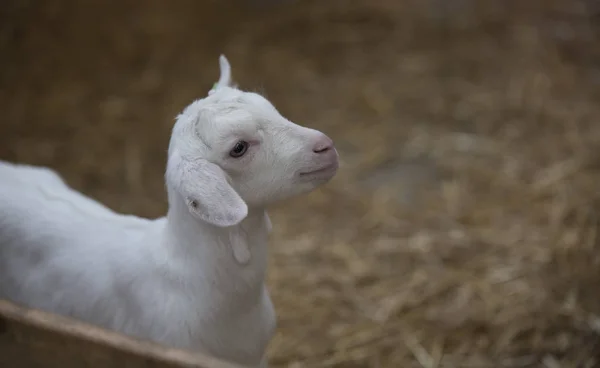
(194, 279)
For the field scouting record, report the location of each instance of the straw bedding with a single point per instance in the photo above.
(461, 230)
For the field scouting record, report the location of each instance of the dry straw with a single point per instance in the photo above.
(462, 229)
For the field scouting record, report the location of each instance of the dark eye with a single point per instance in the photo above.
(239, 149)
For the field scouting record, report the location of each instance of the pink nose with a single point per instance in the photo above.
(323, 144)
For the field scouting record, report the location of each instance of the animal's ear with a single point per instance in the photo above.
(225, 75)
(206, 191)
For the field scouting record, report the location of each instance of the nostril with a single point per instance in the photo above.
(324, 144)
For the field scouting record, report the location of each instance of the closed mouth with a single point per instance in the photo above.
(326, 169)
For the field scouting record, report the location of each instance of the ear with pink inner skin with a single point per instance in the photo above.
(206, 191)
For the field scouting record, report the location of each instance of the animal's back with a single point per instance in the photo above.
(23, 174)
(35, 201)
(54, 241)
(39, 180)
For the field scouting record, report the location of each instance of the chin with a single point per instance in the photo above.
(308, 183)
(319, 176)
(299, 184)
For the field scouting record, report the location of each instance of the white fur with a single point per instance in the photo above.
(175, 279)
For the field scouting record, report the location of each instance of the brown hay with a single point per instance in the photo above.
(462, 229)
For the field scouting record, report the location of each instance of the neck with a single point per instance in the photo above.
(206, 254)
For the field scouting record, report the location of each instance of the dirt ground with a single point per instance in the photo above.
(461, 230)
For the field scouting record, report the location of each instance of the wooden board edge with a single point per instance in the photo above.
(13, 315)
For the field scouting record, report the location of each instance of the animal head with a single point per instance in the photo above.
(233, 150)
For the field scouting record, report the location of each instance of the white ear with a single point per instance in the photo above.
(206, 191)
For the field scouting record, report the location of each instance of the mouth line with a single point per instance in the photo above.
(319, 171)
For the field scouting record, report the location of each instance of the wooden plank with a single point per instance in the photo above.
(33, 338)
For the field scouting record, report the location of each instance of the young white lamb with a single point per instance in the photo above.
(194, 279)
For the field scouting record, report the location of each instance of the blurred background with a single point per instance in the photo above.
(461, 229)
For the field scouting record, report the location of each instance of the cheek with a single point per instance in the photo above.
(263, 165)
(263, 171)
(287, 152)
